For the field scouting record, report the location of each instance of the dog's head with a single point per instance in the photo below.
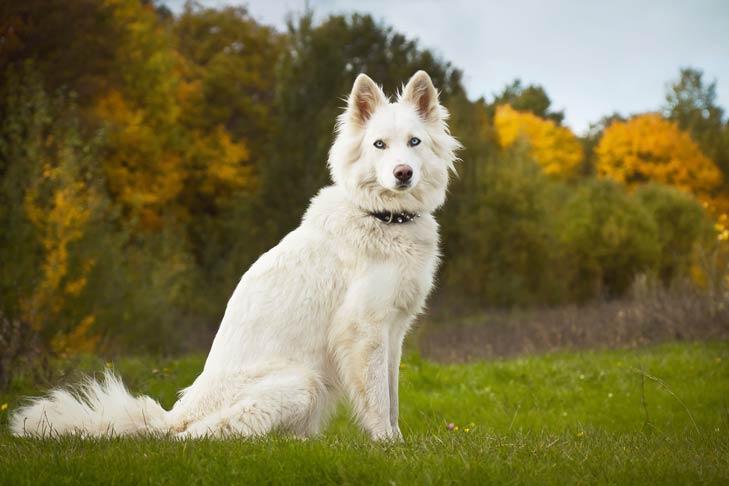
(394, 156)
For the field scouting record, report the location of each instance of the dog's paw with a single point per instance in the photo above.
(388, 435)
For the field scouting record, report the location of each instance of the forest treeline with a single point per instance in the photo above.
(147, 159)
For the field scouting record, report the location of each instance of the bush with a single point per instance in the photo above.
(506, 252)
(609, 238)
(680, 221)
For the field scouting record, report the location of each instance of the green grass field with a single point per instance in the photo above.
(658, 415)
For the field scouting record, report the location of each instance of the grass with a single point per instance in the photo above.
(656, 415)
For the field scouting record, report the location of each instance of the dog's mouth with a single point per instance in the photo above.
(403, 186)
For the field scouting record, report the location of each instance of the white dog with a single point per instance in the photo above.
(321, 315)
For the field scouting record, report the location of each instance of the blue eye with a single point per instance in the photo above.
(414, 141)
(379, 144)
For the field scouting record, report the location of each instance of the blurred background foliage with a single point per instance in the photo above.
(146, 160)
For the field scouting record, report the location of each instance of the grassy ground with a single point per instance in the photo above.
(656, 416)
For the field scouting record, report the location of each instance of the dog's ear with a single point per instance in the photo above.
(366, 96)
(420, 92)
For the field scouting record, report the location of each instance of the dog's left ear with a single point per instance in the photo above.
(420, 92)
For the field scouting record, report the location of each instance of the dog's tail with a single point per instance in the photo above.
(94, 408)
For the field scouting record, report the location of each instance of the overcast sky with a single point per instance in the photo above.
(593, 57)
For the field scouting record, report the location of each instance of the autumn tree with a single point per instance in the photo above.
(651, 148)
(173, 165)
(555, 148)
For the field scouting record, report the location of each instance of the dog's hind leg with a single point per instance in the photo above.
(290, 400)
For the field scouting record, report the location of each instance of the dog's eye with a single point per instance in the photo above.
(379, 144)
(414, 141)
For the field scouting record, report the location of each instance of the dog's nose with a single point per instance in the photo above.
(403, 173)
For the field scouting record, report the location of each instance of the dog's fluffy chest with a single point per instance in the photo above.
(388, 267)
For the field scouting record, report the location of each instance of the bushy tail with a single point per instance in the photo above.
(94, 408)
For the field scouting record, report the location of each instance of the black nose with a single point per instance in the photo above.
(403, 173)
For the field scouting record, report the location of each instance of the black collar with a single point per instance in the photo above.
(388, 217)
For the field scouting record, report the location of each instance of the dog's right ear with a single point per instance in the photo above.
(364, 99)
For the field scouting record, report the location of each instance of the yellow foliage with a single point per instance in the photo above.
(555, 148)
(143, 173)
(651, 148)
(59, 226)
(223, 161)
(60, 219)
(78, 340)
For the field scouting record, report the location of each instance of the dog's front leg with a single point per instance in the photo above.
(397, 335)
(363, 363)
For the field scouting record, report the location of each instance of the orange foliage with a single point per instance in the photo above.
(141, 172)
(158, 151)
(555, 148)
(223, 163)
(651, 148)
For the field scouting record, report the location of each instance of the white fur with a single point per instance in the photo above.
(321, 315)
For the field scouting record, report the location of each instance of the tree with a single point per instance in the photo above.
(650, 148)
(532, 99)
(555, 148)
(692, 103)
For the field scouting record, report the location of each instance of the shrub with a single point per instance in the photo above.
(680, 220)
(506, 252)
(608, 237)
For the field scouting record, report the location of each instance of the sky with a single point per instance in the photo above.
(593, 57)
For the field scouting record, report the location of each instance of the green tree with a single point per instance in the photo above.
(531, 98)
(692, 103)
